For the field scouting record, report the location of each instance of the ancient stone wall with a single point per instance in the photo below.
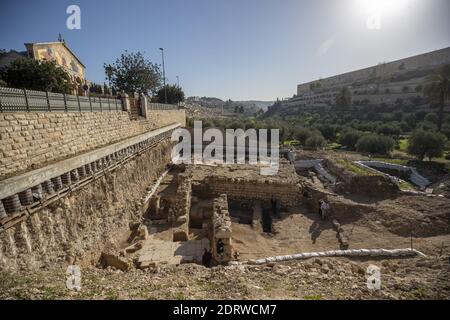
(371, 184)
(83, 223)
(241, 189)
(221, 246)
(180, 207)
(31, 140)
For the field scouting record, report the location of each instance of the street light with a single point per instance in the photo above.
(164, 75)
(178, 81)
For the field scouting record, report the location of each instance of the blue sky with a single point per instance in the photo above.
(238, 49)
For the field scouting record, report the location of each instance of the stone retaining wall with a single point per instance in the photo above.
(31, 140)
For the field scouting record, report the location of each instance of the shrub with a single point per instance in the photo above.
(397, 116)
(420, 114)
(374, 143)
(328, 131)
(350, 138)
(446, 130)
(426, 144)
(303, 134)
(389, 129)
(428, 126)
(404, 126)
(411, 120)
(315, 141)
(431, 117)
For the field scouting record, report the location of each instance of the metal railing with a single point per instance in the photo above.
(162, 106)
(19, 100)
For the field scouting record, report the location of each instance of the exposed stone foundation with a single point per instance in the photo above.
(221, 227)
(245, 183)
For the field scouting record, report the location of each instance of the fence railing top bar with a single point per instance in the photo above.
(17, 100)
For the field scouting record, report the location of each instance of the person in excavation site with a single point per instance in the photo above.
(324, 208)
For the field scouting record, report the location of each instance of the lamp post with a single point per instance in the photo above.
(178, 81)
(164, 75)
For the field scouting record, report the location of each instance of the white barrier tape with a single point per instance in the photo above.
(341, 253)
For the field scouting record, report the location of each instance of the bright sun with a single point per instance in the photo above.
(376, 10)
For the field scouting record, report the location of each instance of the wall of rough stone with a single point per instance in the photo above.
(82, 224)
(180, 207)
(31, 140)
(285, 193)
(375, 185)
(221, 227)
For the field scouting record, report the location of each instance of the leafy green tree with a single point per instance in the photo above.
(174, 94)
(389, 129)
(376, 144)
(426, 144)
(315, 141)
(350, 137)
(411, 120)
(437, 90)
(36, 75)
(302, 134)
(131, 72)
(428, 126)
(420, 114)
(328, 131)
(432, 117)
(446, 130)
(404, 126)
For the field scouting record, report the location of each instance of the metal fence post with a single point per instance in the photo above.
(90, 102)
(26, 100)
(109, 104)
(1, 108)
(65, 102)
(48, 101)
(101, 108)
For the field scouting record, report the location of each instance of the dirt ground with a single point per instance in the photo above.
(386, 224)
(314, 279)
(304, 231)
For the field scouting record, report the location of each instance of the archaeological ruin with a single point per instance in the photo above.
(100, 190)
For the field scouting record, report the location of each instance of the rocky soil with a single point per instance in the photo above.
(324, 278)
